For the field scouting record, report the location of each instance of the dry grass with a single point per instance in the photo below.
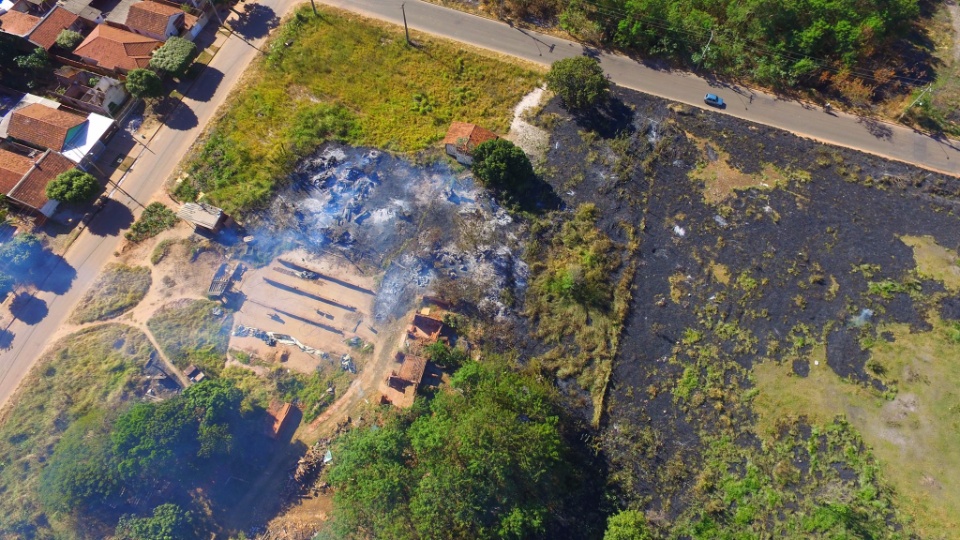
(118, 289)
(934, 261)
(97, 368)
(347, 78)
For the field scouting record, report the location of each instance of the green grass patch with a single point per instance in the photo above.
(118, 289)
(911, 430)
(312, 393)
(97, 368)
(579, 297)
(348, 79)
(155, 219)
(189, 332)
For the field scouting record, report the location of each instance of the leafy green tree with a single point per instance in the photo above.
(6, 285)
(153, 440)
(73, 186)
(144, 83)
(36, 61)
(169, 522)
(579, 81)
(446, 356)
(21, 253)
(484, 461)
(627, 525)
(68, 39)
(81, 473)
(174, 56)
(501, 165)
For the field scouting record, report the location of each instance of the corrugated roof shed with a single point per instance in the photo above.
(203, 215)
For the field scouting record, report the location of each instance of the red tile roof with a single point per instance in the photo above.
(112, 48)
(12, 168)
(32, 190)
(467, 136)
(43, 126)
(151, 17)
(17, 23)
(58, 20)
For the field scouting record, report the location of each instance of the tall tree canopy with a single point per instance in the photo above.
(485, 460)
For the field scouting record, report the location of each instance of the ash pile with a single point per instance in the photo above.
(426, 225)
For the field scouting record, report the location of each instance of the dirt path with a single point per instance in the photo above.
(954, 11)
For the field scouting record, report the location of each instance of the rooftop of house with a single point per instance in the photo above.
(113, 48)
(201, 214)
(11, 101)
(32, 189)
(467, 136)
(81, 141)
(400, 387)
(12, 168)
(111, 10)
(43, 126)
(56, 21)
(151, 17)
(17, 23)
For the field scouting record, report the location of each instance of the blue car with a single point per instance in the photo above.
(714, 100)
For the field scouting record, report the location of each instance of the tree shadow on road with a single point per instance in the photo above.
(54, 274)
(181, 119)
(6, 339)
(113, 218)
(28, 309)
(205, 86)
(876, 128)
(255, 21)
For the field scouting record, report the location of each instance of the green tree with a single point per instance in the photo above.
(81, 473)
(483, 461)
(144, 83)
(152, 441)
(6, 285)
(579, 81)
(174, 56)
(68, 39)
(446, 356)
(73, 186)
(627, 525)
(21, 253)
(501, 165)
(169, 522)
(36, 61)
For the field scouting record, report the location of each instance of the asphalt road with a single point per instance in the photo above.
(102, 237)
(888, 140)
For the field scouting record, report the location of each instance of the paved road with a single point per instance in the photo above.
(887, 140)
(102, 238)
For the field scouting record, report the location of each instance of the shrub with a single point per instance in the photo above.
(579, 81)
(73, 186)
(174, 56)
(68, 39)
(143, 83)
(155, 219)
(501, 165)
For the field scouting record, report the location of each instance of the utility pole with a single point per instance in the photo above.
(405, 29)
(703, 54)
(929, 88)
(314, 4)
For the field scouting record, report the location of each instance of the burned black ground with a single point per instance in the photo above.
(803, 259)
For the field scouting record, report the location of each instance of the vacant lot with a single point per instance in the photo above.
(118, 289)
(193, 332)
(98, 368)
(345, 78)
(776, 308)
